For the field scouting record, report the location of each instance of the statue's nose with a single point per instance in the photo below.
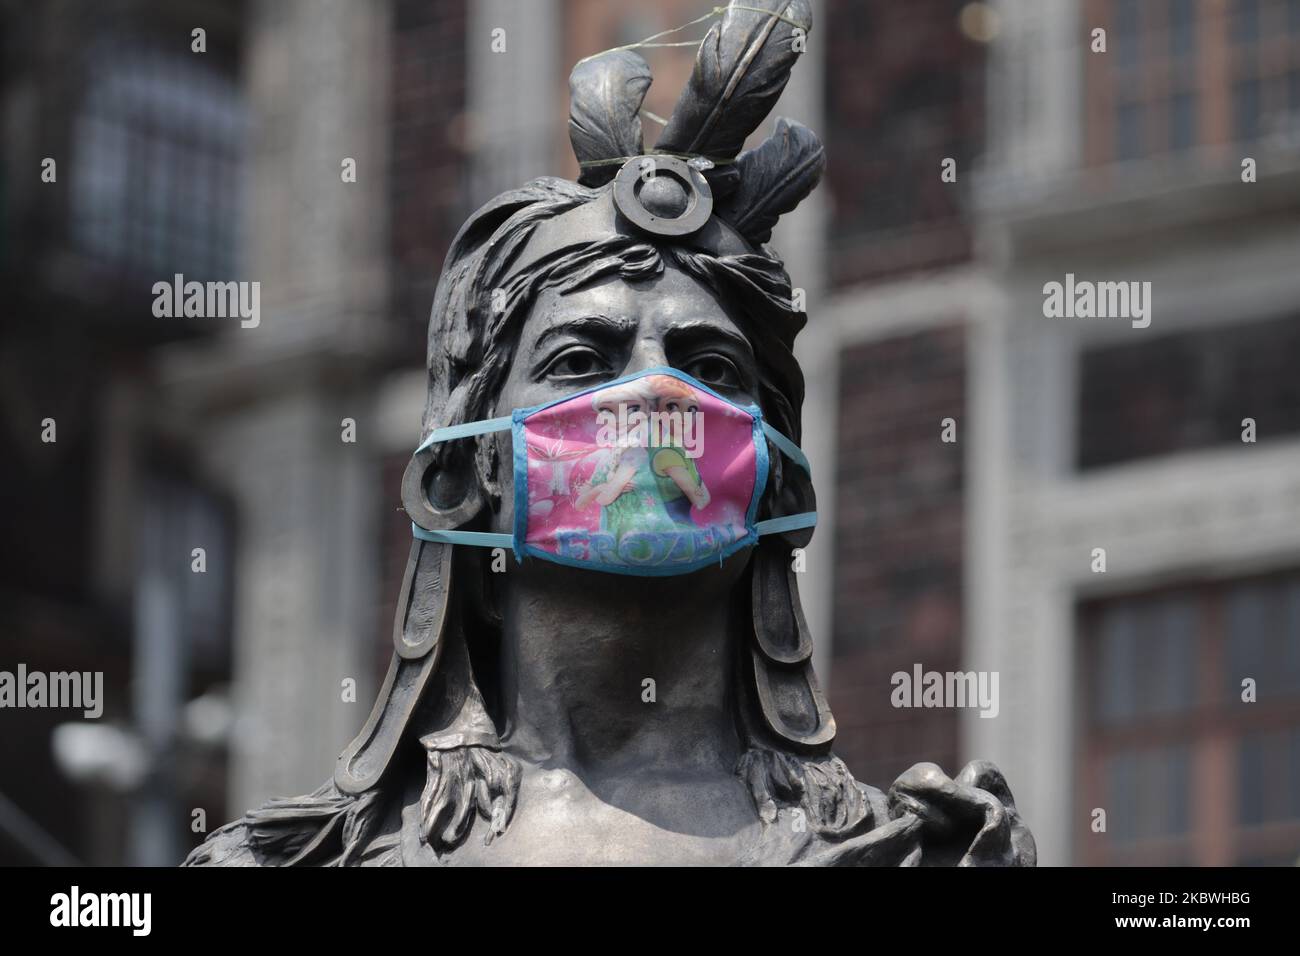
(648, 353)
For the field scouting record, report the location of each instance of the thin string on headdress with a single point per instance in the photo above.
(695, 159)
(650, 41)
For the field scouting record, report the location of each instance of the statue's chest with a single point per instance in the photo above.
(561, 820)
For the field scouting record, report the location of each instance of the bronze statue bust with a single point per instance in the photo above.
(544, 712)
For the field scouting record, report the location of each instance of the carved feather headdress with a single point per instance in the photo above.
(741, 68)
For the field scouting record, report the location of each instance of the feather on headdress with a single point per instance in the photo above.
(743, 64)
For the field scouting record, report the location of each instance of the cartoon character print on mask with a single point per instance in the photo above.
(644, 455)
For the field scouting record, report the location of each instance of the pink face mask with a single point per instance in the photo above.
(651, 474)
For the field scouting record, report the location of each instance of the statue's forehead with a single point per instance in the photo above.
(669, 299)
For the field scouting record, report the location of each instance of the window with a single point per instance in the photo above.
(904, 89)
(1187, 772)
(1182, 121)
(1245, 21)
(898, 546)
(1188, 390)
(182, 515)
(157, 141)
(1245, 113)
(1179, 74)
(1127, 32)
(1182, 28)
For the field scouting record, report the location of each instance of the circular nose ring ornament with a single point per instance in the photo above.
(663, 195)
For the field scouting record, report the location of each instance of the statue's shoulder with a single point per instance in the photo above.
(323, 828)
(227, 846)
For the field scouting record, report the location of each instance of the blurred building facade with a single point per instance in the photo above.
(1123, 690)
(1118, 690)
(122, 160)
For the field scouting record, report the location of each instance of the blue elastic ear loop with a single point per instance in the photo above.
(483, 539)
(805, 519)
(466, 430)
(790, 448)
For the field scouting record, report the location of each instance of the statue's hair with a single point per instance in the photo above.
(832, 801)
(464, 783)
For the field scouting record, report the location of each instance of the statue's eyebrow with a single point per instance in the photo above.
(596, 325)
(705, 333)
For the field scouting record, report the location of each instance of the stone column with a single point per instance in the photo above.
(513, 55)
(265, 404)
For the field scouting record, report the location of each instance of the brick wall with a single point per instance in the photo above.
(898, 547)
(904, 89)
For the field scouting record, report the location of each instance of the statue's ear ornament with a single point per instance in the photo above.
(440, 494)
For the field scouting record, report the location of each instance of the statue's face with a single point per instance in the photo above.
(577, 340)
(613, 328)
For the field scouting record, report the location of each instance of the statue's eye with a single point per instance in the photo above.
(715, 370)
(578, 362)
